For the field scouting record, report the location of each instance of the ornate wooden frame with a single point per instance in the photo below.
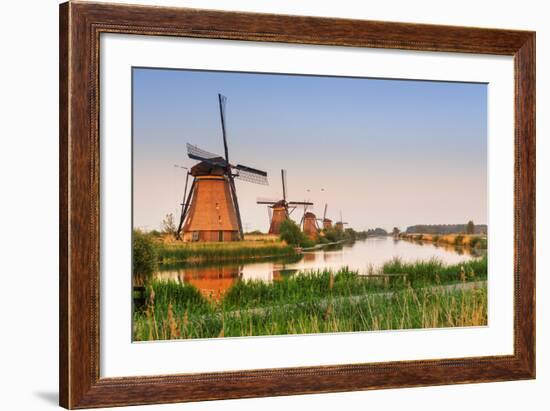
(80, 27)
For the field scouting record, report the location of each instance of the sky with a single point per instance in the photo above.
(384, 152)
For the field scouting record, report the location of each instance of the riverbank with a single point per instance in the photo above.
(459, 240)
(398, 296)
(219, 252)
(149, 252)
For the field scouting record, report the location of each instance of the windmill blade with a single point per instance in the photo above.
(236, 203)
(185, 209)
(199, 154)
(222, 100)
(269, 214)
(185, 191)
(240, 167)
(305, 203)
(263, 200)
(283, 178)
(325, 213)
(251, 177)
(303, 215)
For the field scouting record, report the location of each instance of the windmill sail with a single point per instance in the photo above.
(251, 175)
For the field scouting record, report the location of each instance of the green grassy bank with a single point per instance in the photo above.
(150, 251)
(460, 240)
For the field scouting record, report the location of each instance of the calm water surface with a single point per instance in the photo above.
(213, 280)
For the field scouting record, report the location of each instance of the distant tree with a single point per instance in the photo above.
(332, 234)
(395, 231)
(168, 224)
(255, 232)
(470, 227)
(350, 234)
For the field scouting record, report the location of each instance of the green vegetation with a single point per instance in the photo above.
(234, 251)
(149, 251)
(308, 286)
(144, 253)
(334, 235)
(291, 233)
(406, 309)
(423, 273)
(169, 225)
(322, 301)
(478, 242)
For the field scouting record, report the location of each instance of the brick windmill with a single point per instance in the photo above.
(326, 222)
(210, 211)
(340, 224)
(309, 224)
(281, 209)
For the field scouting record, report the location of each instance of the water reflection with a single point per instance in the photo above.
(215, 279)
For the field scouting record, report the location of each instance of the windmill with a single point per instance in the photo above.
(210, 211)
(309, 224)
(281, 209)
(326, 222)
(340, 224)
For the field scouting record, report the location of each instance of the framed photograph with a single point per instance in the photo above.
(260, 205)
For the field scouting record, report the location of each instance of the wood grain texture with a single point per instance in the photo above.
(80, 27)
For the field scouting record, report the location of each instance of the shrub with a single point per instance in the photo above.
(144, 253)
(458, 239)
(478, 242)
(333, 235)
(291, 233)
(350, 234)
(307, 242)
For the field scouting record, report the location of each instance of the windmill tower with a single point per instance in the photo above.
(210, 211)
(326, 222)
(309, 225)
(340, 224)
(281, 209)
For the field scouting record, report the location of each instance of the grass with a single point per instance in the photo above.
(406, 309)
(322, 301)
(422, 273)
(461, 240)
(211, 252)
(305, 287)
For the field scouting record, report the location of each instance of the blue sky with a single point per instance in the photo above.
(385, 152)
